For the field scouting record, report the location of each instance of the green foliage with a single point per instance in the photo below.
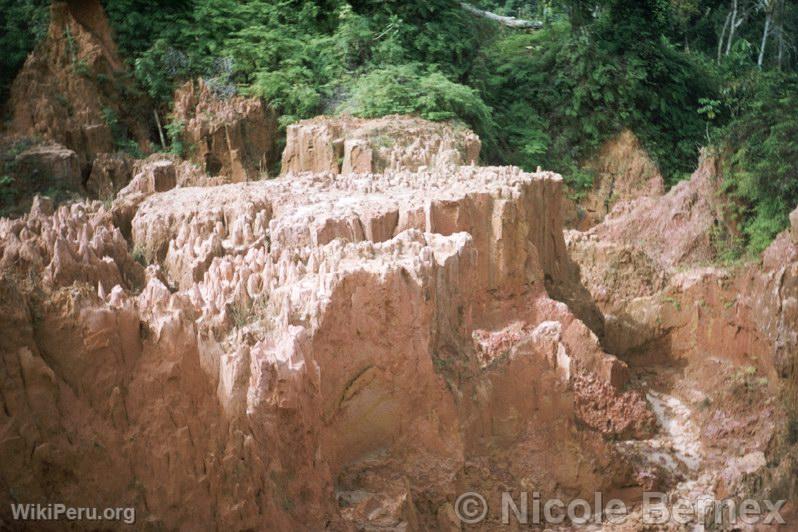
(82, 68)
(7, 193)
(433, 32)
(174, 130)
(73, 51)
(710, 109)
(119, 133)
(138, 256)
(558, 94)
(729, 247)
(22, 24)
(158, 68)
(673, 301)
(545, 98)
(408, 89)
(745, 380)
(297, 54)
(763, 172)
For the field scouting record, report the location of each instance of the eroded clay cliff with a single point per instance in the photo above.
(352, 348)
(353, 145)
(640, 244)
(228, 136)
(622, 171)
(325, 350)
(719, 339)
(71, 89)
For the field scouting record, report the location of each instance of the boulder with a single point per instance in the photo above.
(156, 174)
(50, 165)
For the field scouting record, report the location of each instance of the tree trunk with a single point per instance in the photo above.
(723, 36)
(736, 22)
(768, 20)
(781, 45)
(510, 22)
(779, 22)
(732, 27)
(160, 129)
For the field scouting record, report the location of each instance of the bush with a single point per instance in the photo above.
(409, 89)
(763, 170)
(119, 133)
(175, 130)
(22, 24)
(8, 194)
(560, 92)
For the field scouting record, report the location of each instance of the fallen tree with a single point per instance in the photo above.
(510, 22)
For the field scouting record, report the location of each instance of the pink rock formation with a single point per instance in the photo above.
(352, 145)
(233, 137)
(637, 248)
(154, 174)
(675, 228)
(47, 165)
(732, 332)
(109, 174)
(75, 243)
(57, 94)
(340, 351)
(623, 172)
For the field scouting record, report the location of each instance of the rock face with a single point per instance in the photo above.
(794, 224)
(339, 351)
(634, 254)
(657, 234)
(352, 145)
(67, 91)
(731, 332)
(623, 172)
(72, 244)
(675, 228)
(109, 174)
(44, 166)
(233, 137)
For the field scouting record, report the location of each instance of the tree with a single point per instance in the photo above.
(769, 7)
(738, 14)
(510, 22)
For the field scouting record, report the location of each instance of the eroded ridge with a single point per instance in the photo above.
(319, 350)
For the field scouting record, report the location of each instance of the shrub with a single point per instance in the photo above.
(559, 92)
(410, 89)
(22, 24)
(763, 170)
(8, 194)
(119, 133)
(175, 130)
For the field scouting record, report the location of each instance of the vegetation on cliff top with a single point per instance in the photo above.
(680, 73)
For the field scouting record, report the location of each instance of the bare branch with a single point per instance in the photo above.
(510, 22)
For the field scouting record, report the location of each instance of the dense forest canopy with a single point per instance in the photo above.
(682, 74)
